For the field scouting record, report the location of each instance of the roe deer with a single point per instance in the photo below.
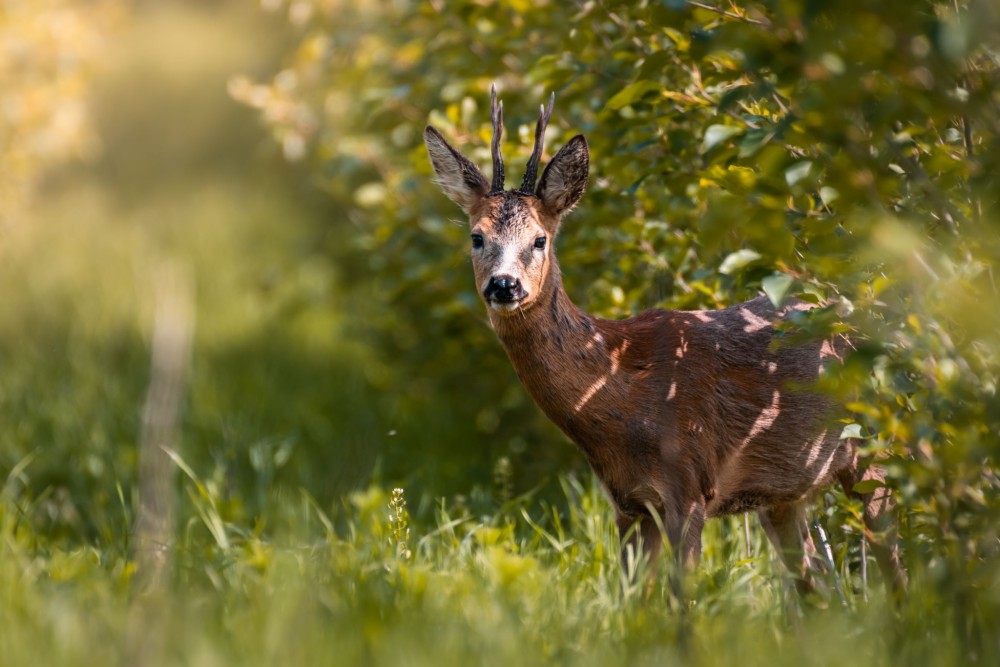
(690, 415)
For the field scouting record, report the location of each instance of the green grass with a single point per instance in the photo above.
(529, 584)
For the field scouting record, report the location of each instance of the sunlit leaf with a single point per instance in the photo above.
(716, 134)
(797, 172)
(738, 260)
(828, 194)
(867, 486)
(851, 431)
(776, 287)
(633, 93)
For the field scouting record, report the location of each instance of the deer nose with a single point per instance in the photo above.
(504, 289)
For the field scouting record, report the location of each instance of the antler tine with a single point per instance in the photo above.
(528, 185)
(496, 115)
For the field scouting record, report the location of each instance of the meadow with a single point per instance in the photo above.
(337, 464)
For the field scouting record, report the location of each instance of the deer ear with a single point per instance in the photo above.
(460, 179)
(565, 177)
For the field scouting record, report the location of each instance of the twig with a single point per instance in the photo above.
(828, 553)
(864, 568)
(731, 15)
(967, 135)
(625, 28)
(746, 533)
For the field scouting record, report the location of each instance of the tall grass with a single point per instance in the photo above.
(530, 583)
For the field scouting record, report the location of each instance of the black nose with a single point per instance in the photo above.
(504, 289)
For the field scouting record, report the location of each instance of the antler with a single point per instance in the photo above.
(496, 115)
(528, 185)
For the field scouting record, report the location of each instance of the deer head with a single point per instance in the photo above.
(512, 231)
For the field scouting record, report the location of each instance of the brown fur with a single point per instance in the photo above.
(690, 415)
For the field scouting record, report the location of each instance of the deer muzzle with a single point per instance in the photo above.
(504, 291)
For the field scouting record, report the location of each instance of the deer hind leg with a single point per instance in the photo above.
(786, 527)
(880, 521)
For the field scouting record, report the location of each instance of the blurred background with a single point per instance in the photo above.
(270, 154)
(124, 151)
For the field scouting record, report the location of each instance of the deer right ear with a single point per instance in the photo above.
(460, 179)
(565, 177)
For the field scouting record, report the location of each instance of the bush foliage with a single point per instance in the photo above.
(842, 155)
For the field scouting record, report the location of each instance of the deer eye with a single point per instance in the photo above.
(477, 241)
(540, 243)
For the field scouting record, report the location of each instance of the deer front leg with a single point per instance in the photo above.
(642, 534)
(683, 525)
(639, 535)
(683, 522)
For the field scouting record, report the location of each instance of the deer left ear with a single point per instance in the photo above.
(565, 177)
(460, 179)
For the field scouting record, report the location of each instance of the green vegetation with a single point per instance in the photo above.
(810, 149)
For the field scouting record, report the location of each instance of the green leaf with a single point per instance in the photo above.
(851, 431)
(797, 172)
(809, 297)
(716, 134)
(867, 485)
(828, 194)
(754, 141)
(732, 96)
(737, 260)
(632, 93)
(776, 287)
(681, 39)
(655, 63)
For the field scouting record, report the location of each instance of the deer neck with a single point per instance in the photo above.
(564, 357)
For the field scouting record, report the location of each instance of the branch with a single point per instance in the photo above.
(727, 14)
(617, 20)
